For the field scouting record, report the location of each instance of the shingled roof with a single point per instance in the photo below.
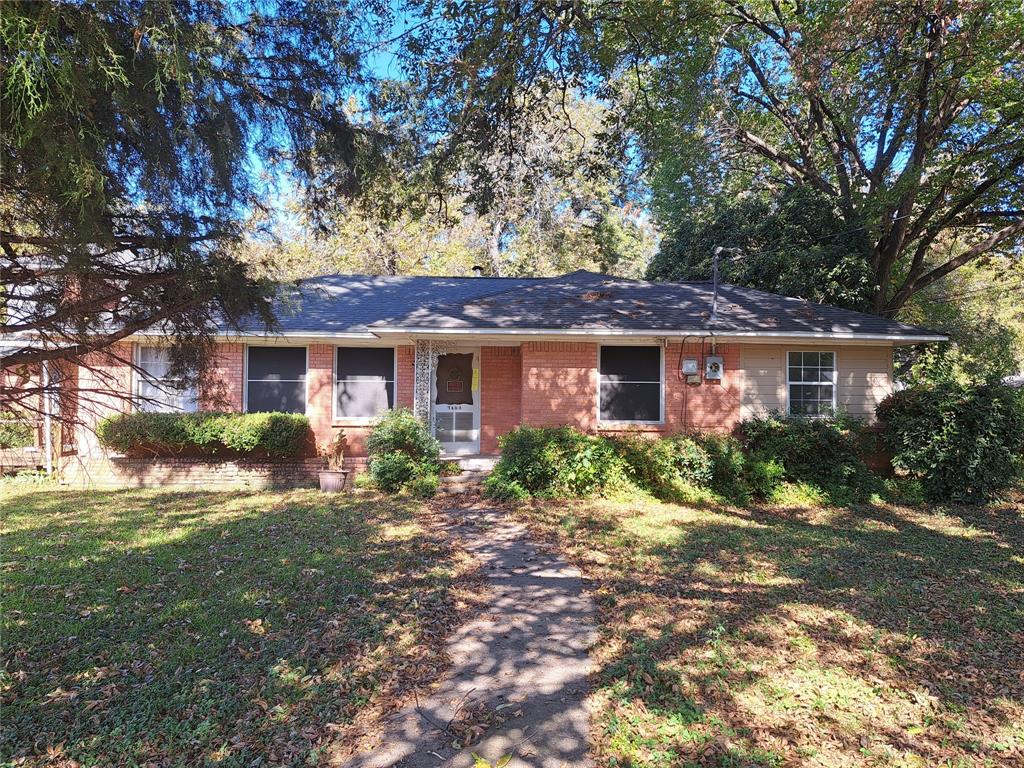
(579, 302)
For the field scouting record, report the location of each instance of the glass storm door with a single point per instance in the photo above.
(456, 402)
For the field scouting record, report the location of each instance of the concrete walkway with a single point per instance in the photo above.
(523, 661)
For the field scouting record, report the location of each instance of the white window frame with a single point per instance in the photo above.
(661, 388)
(245, 374)
(834, 384)
(139, 377)
(355, 420)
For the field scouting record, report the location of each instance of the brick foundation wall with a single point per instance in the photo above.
(120, 472)
(500, 394)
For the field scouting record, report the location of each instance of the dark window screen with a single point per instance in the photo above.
(454, 382)
(276, 379)
(366, 381)
(630, 384)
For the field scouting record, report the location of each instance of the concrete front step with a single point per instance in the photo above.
(466, 481)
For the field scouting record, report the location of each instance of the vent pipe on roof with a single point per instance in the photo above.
(478, 271)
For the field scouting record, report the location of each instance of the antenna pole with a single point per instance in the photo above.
(714, 283)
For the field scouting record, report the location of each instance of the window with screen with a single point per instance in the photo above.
(630, 384)
(155, 388)
(364, 384)
(276, 379)
(812, 383)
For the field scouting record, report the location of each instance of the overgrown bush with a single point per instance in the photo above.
(275, 434)
(401, 431)
(964, 443)
(820, 452)
(404, 455)
(557, 462)
(728, 464)
(663, 467)
(14, 432)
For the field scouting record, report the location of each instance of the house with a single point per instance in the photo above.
(476, 356)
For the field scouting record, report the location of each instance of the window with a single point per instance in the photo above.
(630, 384)
(155, 390)
(364, 381)
(812, 383)
(276, 379)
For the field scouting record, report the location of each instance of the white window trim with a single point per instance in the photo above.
(245, 373)
(358, 420)
(138, 378)
(661, 389)
(835, 385)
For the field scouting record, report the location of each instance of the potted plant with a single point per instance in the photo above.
(334, 477)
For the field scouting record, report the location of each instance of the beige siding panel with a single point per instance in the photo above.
(865, 377)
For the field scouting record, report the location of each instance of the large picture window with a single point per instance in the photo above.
(364, 381)
(155, 389)
(276, 379)
(812, 383)
(631, 386)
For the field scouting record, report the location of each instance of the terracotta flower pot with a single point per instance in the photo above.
(333, 480)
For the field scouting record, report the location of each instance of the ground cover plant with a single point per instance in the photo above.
(229, 629)
(877, 635)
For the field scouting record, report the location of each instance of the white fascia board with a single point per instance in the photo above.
(653, 333)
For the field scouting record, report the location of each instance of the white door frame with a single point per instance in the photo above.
(466, 448)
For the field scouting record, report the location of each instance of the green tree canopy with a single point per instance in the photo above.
(140, 138)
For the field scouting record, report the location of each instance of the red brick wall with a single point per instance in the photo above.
(120, 472)
(559, 384)
(105, 387)
(406, 376)
(500, 394)
(223, 382)
(320, 391)
(708, 406)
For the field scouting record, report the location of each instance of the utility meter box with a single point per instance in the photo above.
(691, 367)
(713, 367)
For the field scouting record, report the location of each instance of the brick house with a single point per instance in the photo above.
(474, 357)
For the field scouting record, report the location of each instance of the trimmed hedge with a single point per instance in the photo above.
(276, 434)
(963, 443)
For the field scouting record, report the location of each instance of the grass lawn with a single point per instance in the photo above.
(875, 636)
(159, 628)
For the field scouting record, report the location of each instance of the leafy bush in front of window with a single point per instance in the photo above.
(728, 465)
(276, 434)
(14, 432)
(279, 434)
(557, 462)
(662, 467)
(964, 443)
(821, 452)
(403, 455)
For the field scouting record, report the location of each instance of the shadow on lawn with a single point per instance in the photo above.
(879, 604)
(225, 627)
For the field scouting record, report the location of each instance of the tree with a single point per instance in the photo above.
(909, 117)
(797, 245)
(139, 140)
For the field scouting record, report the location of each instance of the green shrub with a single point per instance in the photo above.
(663, 466)
(15, 432)
(404, 455)
(763, 475)
(964, 443)
(279, 434)
(822, 452)
(728, 462)
(559, 462)
(500, 488)
(276, 434)
(424, 486)
(401, 431)
(391, 471)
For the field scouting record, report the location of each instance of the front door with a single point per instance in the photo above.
(455, 399)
